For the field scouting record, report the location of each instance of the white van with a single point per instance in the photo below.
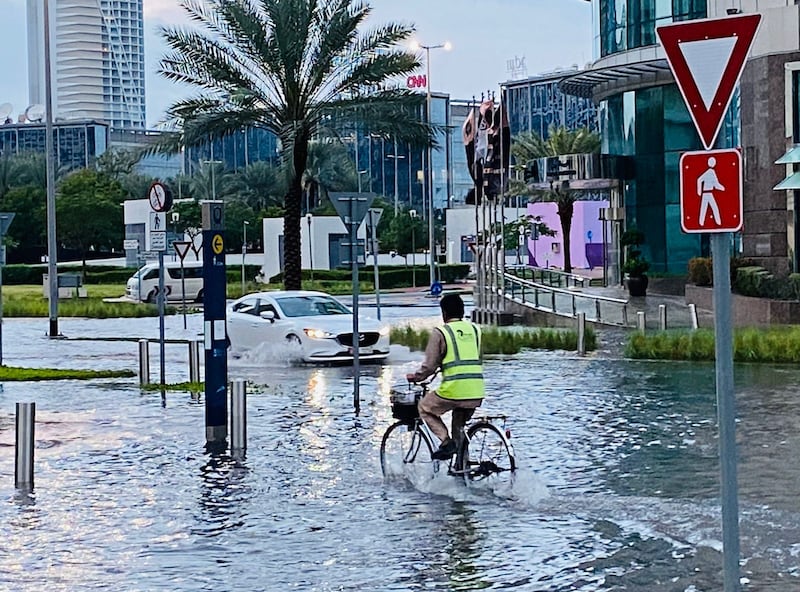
(143, 285)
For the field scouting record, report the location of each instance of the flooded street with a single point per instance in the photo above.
(617, 487)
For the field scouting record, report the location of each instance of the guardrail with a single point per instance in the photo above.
(565, 302)
(550, 277)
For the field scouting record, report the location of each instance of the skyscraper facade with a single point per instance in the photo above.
(97, 60)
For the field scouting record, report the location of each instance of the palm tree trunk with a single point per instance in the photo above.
(565, 211)
(292, 279)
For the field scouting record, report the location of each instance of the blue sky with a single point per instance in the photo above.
(484, 34)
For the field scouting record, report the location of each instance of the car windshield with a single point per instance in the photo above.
(310, 306)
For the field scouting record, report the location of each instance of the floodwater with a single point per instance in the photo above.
(617, 487)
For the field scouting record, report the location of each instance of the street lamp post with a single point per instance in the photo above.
(245, 224)
(429, 179)
(359, 178)
(396, 157)
(175, 217)
(310, 250)
(211, 163)
(413, 215)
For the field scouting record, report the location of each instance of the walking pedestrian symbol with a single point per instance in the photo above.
(711, 191)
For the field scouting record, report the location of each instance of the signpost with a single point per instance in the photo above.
(373, 217)
(707, 58)
(160, 201)
(214, 330)
(181, 249)
(352, 207)
(5, 221)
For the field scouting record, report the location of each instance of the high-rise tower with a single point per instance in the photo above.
(97, 59)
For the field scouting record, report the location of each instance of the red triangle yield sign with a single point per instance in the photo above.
(707, 58)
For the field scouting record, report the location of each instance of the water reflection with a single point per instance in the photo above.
(224, 495)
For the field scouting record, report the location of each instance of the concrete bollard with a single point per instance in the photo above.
(641, 321)
(144, 362)
(581, 333)
(194, 361)
(239, 415)
(23, 465)
(693, 316)
(662, 316)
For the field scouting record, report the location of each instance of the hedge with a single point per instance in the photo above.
(390, 276)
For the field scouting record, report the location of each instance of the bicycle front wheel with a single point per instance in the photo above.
(406, 452)
(486, 455)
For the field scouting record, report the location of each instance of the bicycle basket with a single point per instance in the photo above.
(404, 403)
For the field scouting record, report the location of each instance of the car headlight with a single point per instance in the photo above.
(384, 331)
(319, 334)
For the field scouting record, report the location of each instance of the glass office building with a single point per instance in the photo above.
(78, 143)
(536, 104)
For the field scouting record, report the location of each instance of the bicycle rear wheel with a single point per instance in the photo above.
(406, 452)
(486, 455)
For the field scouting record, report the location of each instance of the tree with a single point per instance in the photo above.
(329, 168)
(529, 146)
(89, 212)
(27, 202)
(292, 67)
(260, 185)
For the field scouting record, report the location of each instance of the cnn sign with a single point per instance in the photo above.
(417, 81)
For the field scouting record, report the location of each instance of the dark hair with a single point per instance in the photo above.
(452, 306)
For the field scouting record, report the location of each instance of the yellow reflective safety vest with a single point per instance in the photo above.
(462, 372)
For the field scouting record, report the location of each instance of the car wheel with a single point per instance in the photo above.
(293, 340)
(199, 297)
(151, 297)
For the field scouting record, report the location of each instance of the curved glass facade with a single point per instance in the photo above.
(654, 127)
(628, 24)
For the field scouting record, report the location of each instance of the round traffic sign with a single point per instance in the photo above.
(217, 244)
(160, 197)
(436, 289)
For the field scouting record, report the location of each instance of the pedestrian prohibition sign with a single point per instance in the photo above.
(711, 191)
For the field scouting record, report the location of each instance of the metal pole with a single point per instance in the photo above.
(2, 261)
(374, 231)
(396, 185)
(429, 176)
(194, 361)
(356, 340)
(183, 294)
(52, 247)
(693, 316)
(238, 415)
(245, 224)
(662, 316)
(25, 427)
(161, 300)
(310, 247)
(144, 362)
(581, 333)
(726, 409)
(641, 321)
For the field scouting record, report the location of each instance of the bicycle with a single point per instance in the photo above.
(484, 452)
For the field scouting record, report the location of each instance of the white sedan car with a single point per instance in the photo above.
(319, 324)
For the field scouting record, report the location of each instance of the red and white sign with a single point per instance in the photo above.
(707, 58)
(711, 191)
(417, 81)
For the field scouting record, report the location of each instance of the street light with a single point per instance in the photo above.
(413, 215)
(447, 46)
(359, 178)
(213, 180)
(245, 224)
(175, 217)
(310, 250)
(395, 157)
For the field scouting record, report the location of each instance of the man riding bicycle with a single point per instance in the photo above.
(455, 347)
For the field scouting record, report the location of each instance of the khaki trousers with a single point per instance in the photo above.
(432, 407)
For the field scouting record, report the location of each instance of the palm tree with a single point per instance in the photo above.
(296, 68)
(529, 146)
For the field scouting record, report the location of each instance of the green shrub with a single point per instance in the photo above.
(700, 272)
(390, 276)
(772, 345)
(504, 341)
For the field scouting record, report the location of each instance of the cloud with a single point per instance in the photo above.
(164, 12)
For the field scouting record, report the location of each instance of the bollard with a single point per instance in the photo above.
(23, 466)
(194, 361)
(662, 316)
(641, 321)
(144, 362)
(693, 316)
(581, 333)
(239, 415)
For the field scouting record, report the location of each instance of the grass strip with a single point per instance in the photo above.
(12, 374)
(504, 341)
(192, 387)
(769, 345)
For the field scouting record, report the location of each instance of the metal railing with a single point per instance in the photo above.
(550, 277)
(566, 302)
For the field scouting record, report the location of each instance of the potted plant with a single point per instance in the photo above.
(635, 266)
